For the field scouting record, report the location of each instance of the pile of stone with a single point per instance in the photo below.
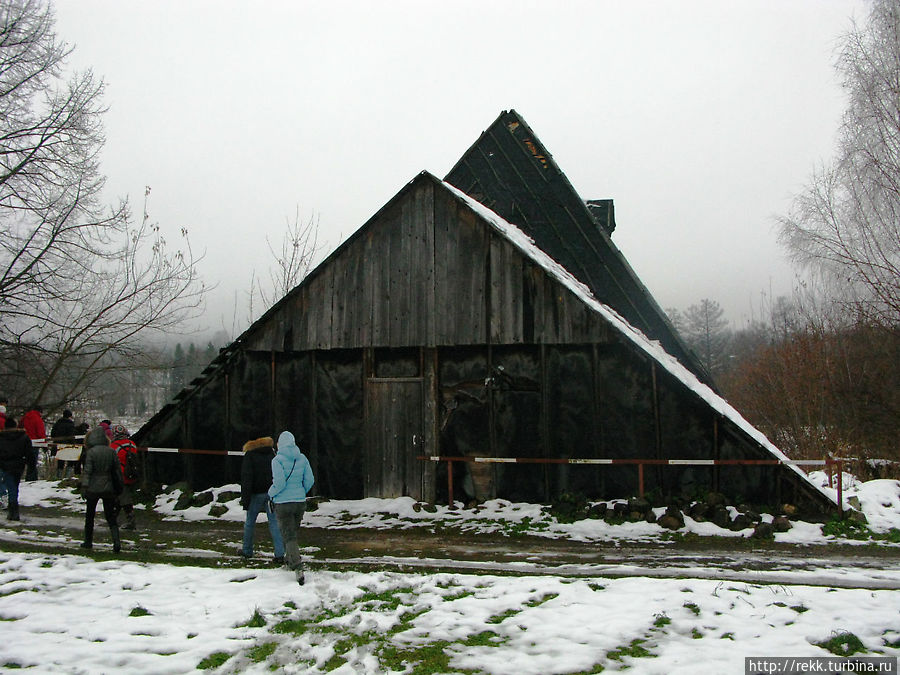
(713, 508)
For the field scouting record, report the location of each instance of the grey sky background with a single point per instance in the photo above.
(699, 118)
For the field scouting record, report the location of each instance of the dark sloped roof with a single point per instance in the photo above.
(510, 171)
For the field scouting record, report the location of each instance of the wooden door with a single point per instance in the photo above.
(394, 423)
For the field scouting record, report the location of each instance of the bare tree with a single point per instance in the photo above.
(80, 284)
(847, 220)
(299, 247)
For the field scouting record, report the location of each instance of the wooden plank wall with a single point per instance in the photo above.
(428, 272)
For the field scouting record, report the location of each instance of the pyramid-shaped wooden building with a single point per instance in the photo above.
(485, 315)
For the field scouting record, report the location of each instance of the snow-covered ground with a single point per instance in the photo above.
(71, 614)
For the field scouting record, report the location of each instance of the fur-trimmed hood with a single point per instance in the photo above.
(264, 443)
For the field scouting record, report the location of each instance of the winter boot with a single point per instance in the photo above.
(129, 520)
(117, 543)
(13, 513)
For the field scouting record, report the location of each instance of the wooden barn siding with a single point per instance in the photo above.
(429, 273)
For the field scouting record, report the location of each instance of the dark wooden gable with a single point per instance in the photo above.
(510, 171)
(426, 270)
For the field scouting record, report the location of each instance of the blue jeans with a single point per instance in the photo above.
(10, 483)
(258, 503)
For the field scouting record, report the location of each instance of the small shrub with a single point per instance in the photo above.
(843, 644)
(139, 611)
(661, 620)
(255, 621)
(693, 607)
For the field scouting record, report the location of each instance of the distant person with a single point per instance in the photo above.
(256, 479)
(106, 425)
(33, 424)
(64, 427)
(101, 480)
(15, 456)
(63, 431)
(292, 478)
(3, 402)
(127, 454)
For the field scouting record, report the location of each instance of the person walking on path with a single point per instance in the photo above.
(101, 479)
(33, 424)
(292, 479)
(126, 452)
(256, 479)
(15, 455)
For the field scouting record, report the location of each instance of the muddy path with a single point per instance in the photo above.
(216, 543)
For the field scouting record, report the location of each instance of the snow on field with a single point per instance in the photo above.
(71, 614)
(68, 614)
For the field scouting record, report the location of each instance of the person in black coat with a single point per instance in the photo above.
(15, 454)
(101, 479)
(256, 479)
(64, 427)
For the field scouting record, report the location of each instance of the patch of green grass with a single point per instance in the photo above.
(290, 604)
(10, 618)
(12, 665)
(696, 634)
(139, 611)
(388, 600)
(661, 620)
(255, 621)
(800, 608)
(214, 660)
(844, 527)
(458, 596)
(727, 636)
(486, 638)
(596, 587)
(335, 662)
(634, 649)
(692, 607)
(291, 626)
(500, 618)
(843, 644)
(536, 602)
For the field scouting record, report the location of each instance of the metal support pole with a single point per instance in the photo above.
(450, 483)
(840, 488)
(640, 480)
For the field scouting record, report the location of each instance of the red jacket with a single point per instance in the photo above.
(34, 425)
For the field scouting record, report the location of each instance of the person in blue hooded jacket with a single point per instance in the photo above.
(292, 479)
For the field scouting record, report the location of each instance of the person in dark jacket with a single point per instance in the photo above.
(64, 427)
(292, 478)
(15, 454)
(101, 479)
(256, 479)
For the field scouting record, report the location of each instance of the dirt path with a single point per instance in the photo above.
(216, 543)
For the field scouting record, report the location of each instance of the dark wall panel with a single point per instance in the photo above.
(518, 423)
(573, 428)
(250, 398)
(339, 423)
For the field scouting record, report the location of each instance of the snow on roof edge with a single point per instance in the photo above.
(651, 347)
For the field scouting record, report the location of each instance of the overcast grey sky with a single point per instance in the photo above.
(699, 118)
